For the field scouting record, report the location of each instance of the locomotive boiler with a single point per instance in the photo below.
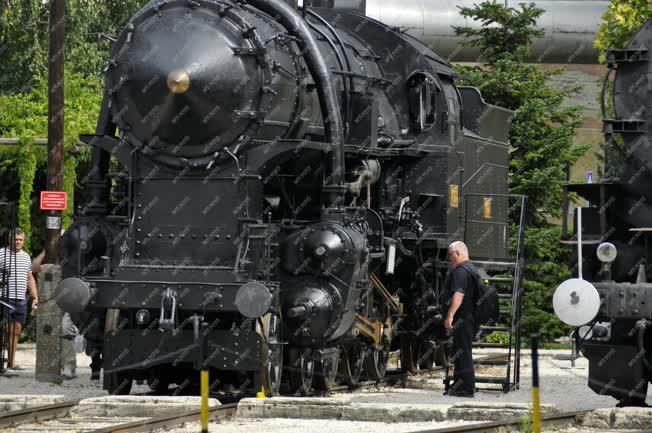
(612, 298)
(281, 186)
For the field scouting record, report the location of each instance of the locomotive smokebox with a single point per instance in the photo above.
(184, 80)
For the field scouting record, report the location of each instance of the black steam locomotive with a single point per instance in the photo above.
(281, 184)
(616, 225)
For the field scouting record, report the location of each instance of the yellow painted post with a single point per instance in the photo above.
(204, 401)
(536, 404)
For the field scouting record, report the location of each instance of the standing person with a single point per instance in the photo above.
(459, 293)
(17, 264)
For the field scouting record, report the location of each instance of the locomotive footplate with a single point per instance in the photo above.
(624, 300)
(192, 288)
(121, 294)
(134, 349)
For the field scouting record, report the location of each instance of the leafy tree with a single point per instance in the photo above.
(24, 38)
(22, 24)
(23, 92)
(24, 115)
(621, 21)
(541, 142)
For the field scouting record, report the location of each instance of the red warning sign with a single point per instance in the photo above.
(54, 200)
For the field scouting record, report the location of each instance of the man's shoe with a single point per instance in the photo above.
(95, 375)
(632, 403)
(459, 393)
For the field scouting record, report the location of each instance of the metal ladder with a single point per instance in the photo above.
(507, 278)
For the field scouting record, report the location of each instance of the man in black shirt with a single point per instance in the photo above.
(458, 297)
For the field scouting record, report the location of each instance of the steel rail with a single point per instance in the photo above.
(59, 410)
(395, 376)
(37, 413)
(562, 419)
(170, 421)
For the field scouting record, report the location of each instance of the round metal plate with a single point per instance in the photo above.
(576, 302)
(253, 299)
(72, 295)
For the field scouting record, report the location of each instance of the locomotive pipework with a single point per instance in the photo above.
(264, 158)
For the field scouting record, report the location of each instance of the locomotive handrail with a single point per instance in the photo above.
(340, 61)
(175, 283)
(348, 108)
(328, 102)
(492, 194)
(480, 168)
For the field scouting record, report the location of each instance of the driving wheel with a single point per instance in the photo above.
(272, 354)
(300, 370)
(326, 372)
(376, 362)
(351, 364)
(441, 356)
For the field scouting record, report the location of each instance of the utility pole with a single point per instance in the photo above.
(50, 345)
(57, 29)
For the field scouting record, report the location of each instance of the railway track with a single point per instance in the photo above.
(554, 422)
(61, 411)
(398, 376)
(216, 413)
(561, 420)
(36, 414)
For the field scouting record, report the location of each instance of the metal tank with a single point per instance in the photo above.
(570, 26)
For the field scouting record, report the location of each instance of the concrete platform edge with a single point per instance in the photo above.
(381, 412)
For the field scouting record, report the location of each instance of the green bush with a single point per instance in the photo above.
(541, 144)
(24, 115)
(498, 337)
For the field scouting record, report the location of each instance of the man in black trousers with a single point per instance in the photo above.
(458, 297)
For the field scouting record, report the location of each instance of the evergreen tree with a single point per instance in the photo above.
(541, 143)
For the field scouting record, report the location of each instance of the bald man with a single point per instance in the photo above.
(458, 296)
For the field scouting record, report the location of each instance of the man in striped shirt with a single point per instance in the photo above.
(16, 266)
